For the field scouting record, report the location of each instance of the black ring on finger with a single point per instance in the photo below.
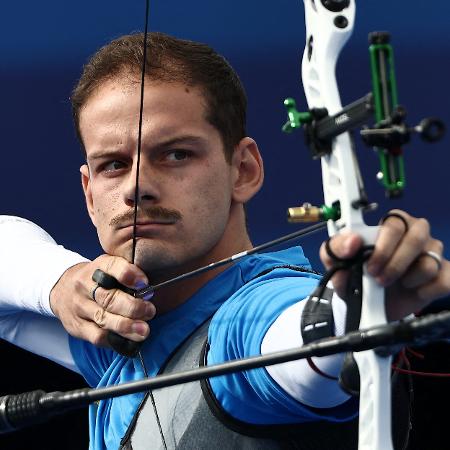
(399, 216)
(94, 290)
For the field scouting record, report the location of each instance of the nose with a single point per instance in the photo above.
(147, 185)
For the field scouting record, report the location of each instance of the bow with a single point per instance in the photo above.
(329, 25)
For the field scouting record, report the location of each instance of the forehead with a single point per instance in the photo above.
(111, 113)
(157, 94)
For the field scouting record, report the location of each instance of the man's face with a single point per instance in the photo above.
(185, 183)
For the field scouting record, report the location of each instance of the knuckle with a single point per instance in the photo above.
(418, 239)
(135, 309)
(110, 262)
(125, 274)
(423, 225)
(395, 225)
(138, 309)
(100, 317)
(107, 300)
(429, 267)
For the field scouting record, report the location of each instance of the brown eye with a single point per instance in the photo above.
(178, 155)
(112, 166)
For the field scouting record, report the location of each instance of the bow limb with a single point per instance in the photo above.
(326, 34)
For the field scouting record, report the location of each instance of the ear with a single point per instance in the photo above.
(247, 170)
(86, 183)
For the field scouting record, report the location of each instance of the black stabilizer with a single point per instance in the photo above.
(17, 411)
(34, 407)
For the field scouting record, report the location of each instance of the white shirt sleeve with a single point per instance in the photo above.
(30, 265)
(297, 378)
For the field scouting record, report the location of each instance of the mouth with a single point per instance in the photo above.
(147, 224)
(146, 228)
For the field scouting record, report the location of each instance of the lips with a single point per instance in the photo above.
(145, 229)
(148, 223)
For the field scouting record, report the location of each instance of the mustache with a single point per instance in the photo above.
(152, 213)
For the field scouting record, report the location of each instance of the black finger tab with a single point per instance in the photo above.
(107, 281)
(121, 345)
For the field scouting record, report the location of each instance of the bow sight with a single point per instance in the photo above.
(387, 135)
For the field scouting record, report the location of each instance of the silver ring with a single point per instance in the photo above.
(93, 292)
(435, 256)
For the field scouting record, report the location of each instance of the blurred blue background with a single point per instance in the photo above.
(44, 44)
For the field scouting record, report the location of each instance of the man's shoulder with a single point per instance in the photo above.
(265, 295)
(287, 262)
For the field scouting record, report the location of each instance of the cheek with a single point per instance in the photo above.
(210, 202)
(105, 205)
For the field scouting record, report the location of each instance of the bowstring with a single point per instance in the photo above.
(136, 195)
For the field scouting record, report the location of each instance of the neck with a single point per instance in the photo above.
(167, 298)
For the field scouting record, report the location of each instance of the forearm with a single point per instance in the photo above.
(30, 265)
(318, 386)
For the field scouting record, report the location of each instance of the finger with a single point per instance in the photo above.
(414, 242)
(123, 271)
(130, 329)
(343, 246)
(120, 303)
(92, 333)
(424, 269)
(437, 288)
(391, 232)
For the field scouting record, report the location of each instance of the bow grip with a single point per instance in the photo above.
(120, 344)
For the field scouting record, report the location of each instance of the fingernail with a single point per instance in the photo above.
(140, 284)
(148, 295)
(139, 328)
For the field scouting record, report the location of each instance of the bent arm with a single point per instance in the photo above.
(313, 384)
(265, 318)
(30, 264)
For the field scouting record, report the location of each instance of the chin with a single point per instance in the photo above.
(154, 258)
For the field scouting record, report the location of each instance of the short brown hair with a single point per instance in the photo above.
(171, 60)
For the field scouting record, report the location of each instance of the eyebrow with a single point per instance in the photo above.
(179, 140)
